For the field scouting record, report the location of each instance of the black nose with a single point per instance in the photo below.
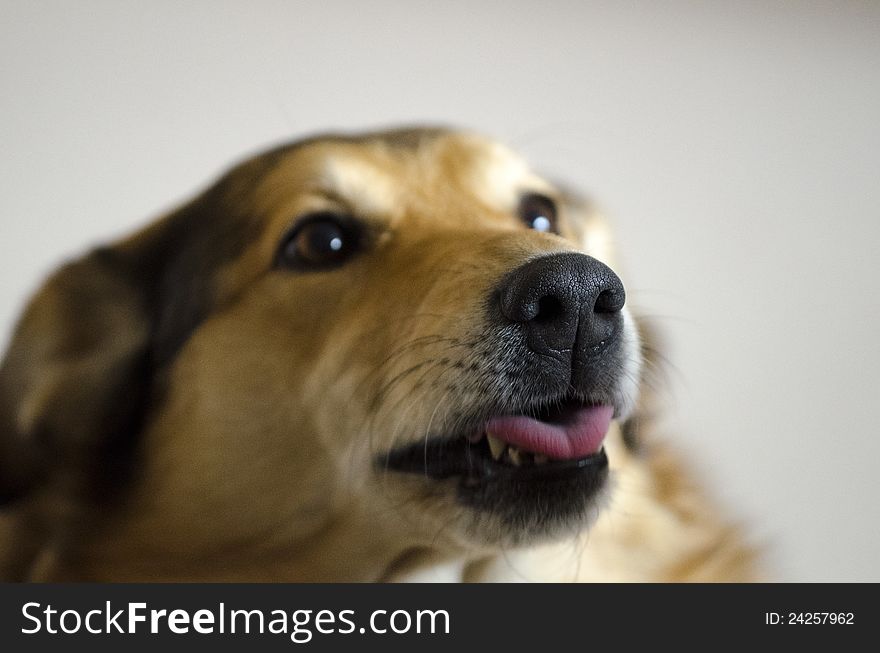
(565, 303)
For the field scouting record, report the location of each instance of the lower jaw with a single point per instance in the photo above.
(523, 506)
(538, 502)
(507, 503)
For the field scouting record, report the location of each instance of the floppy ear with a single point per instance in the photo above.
(80, 374)
(74, 381)
(77, 378)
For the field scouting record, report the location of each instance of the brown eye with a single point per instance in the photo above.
(538, 212)
(320, 240)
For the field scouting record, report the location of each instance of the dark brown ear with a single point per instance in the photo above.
(85, 365)
(74, 381)
(79, 374)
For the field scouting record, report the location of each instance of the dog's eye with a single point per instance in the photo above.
(319, 240)
(538, 212)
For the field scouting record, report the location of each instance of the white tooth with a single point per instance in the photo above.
(515, 455)
(540, 459)
(496, 446)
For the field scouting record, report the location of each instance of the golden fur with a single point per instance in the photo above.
(174, 408)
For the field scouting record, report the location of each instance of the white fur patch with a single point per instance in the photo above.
(628, 388)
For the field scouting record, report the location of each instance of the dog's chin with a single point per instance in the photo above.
(525, 477)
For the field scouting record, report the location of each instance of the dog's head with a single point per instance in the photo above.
(405, 334)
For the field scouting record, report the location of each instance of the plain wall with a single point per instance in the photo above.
(734, 146)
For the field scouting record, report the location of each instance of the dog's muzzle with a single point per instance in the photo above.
(532, 454)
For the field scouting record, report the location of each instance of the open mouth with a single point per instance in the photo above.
(537, 471)
(552, 439)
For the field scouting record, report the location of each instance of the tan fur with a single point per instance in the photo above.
(255, 459)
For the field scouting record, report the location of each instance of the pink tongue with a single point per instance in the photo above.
(581, 437)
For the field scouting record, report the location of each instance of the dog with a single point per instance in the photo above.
(390, 356)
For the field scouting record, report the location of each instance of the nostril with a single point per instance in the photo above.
(549, 309)
(561, 302)
(609, 301)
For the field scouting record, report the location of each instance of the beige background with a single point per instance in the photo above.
(735, 146)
